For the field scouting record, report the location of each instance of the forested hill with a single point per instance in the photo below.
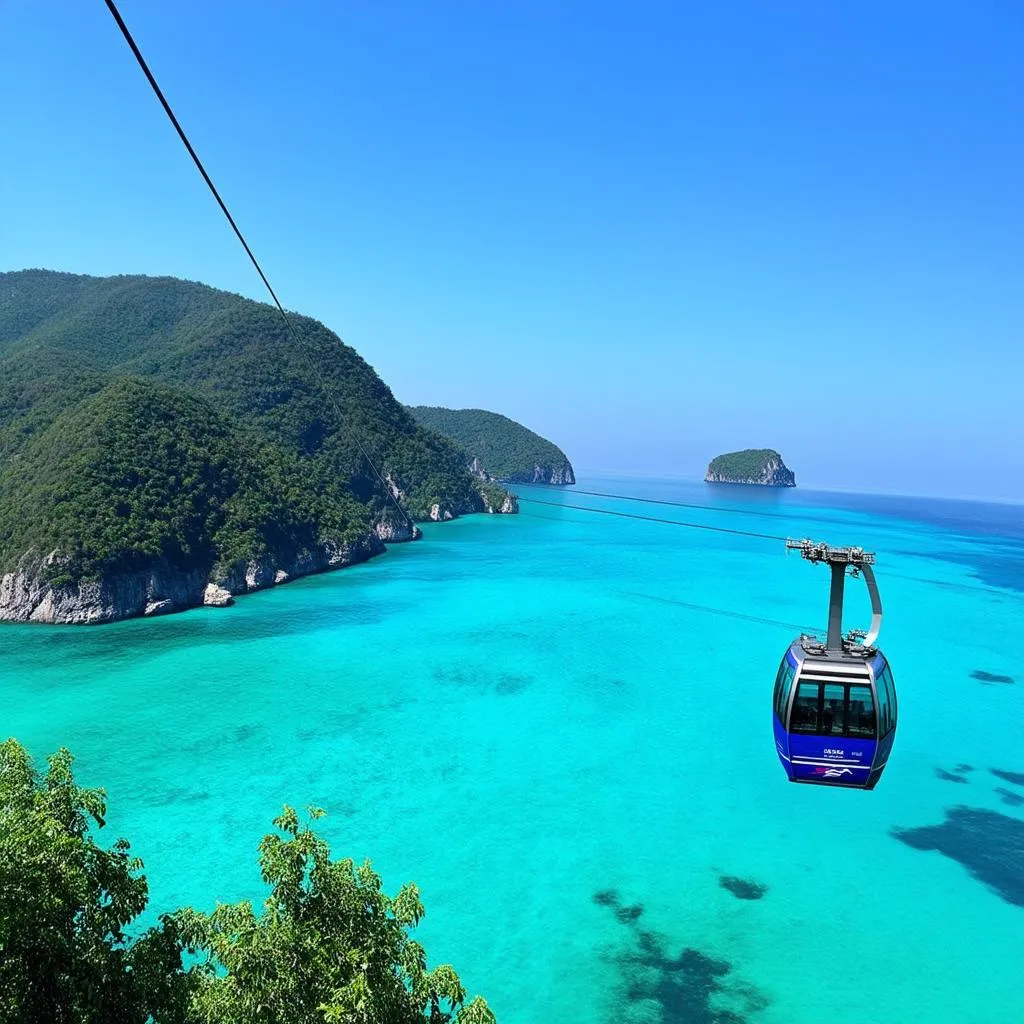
(504, 450)
(762, 466)
(157, 432)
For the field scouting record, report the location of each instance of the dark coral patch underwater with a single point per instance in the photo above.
(1017, 778)
(742, 888)
(630, 913)
(1010, 798)
(690, 988)
(505, 684)
(990, 677)
(988, 844)
(510, 683)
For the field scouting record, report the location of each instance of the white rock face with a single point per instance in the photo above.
(556, 475)
(216, 597)
(394, 532)
(27, 595)
(561, 476)
(509, 505)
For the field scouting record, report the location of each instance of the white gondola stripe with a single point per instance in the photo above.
(842, 764)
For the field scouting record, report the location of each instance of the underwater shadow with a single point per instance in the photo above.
(1017, 778)
(742, 888)
(988, 844)
(1009, 798)
(485, 681)
(689, 988)
(176, 795)
(990, 677)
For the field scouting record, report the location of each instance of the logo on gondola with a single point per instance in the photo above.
(832, 773)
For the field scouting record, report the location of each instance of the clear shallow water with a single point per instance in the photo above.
(552, 720)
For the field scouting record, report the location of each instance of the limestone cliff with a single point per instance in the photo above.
(559, 475)
(28, 595)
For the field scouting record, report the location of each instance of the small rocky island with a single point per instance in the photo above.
(761, 466)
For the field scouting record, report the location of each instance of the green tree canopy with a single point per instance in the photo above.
(328, 947)
(66, 905)
(507, 450)
(130, 378)
(751, 465)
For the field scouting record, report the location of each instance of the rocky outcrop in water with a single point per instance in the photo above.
(393, 530)
(760, 466)
(440, 513)
(502, 503)
(28, 595)
(559, 475)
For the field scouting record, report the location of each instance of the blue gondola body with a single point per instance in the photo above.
(834, 715)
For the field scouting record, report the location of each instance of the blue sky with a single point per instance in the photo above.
(651, 231)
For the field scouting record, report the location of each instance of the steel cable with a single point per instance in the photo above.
(112, 7)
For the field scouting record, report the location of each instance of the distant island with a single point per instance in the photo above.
(762, 466)
(498, 448)
(164, 444)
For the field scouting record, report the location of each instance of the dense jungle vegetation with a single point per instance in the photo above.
(153, 417)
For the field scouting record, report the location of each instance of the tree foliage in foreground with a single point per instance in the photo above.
(66, 905)
(328, 947)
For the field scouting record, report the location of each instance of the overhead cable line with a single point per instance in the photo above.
(720, 508)
(946, 584)
(687, 504)
(112, 7)
(759, 619)
(654, 519)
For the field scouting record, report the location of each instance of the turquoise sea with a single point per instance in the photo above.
(559, 726)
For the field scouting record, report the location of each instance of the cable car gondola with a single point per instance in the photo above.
(834, 710)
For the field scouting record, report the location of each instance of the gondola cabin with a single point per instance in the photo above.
(834, 707)
(834, 714)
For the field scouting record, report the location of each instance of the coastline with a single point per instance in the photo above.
(27, 598)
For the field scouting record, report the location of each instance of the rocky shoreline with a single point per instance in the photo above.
(558, 476)
(27, 595)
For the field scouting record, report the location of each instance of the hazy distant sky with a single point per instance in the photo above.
(651, 231)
